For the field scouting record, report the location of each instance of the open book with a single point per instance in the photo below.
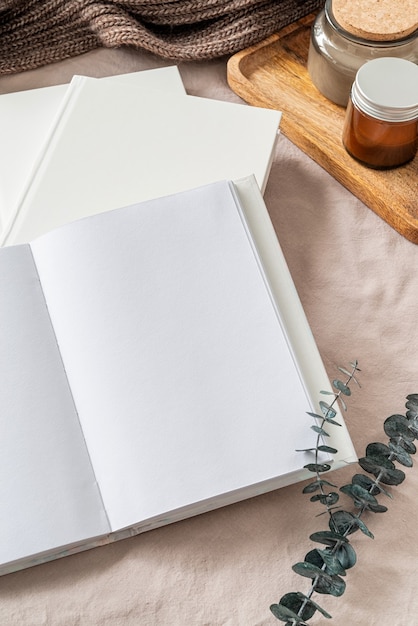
(155, 363)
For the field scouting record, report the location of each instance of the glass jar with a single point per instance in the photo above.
(381, 123)
(335, 55)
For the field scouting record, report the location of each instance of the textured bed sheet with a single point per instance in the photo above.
(358, 282)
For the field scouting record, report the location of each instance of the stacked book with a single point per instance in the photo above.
(156, 361)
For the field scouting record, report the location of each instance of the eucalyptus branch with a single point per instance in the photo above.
(326, 567)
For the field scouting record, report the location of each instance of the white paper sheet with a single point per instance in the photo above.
(48, 493)
(179, 368)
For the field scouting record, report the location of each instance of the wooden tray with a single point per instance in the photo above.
(273, 74)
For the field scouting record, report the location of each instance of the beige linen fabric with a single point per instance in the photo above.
(358, 282)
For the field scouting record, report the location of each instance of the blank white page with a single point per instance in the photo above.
(179, 368)
(48, 492)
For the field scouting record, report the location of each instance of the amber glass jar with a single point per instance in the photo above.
(381, 123)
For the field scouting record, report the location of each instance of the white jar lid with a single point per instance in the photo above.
(387, 89)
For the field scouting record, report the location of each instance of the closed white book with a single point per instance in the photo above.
(115, 145)
(27, 117)
(156, 363)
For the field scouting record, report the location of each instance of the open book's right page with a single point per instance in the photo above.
(178, 364)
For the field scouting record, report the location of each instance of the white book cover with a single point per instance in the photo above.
(149, 371)
(112, 147)
(26, 118)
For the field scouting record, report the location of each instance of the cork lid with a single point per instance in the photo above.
(377, 20)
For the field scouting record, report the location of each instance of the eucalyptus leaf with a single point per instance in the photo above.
(309, 570)
(342, 522)
(317, 467)
(294, 602)
(397, 425)
(359, 494)
(334, 586)
(320, 431)
(376, 464)
(315, 415)
(324, 583)
(314, 486)
(338, 384)
(315, 558)
(284, 615)
(346, 555)
(412, 402)
(310, 602)
(401, 455)
(407, 445)
(332, 563)
(343, 404)
(328, 537)
(329, 449)
(369, 484)
(393, 477)
(377, 508)
(377, 449)
(362, 526)
(327, 411)
(413, 426)
(326, 498)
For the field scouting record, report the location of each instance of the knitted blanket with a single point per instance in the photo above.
(37, 32)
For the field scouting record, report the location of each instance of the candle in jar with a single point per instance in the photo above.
(381, 122)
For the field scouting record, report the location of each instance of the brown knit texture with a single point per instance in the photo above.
(37, 32)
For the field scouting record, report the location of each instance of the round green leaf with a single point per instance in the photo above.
(377, 508)
(327, 449)
(286, 615)
(308, 570)
(328, 537)
(393, 477)
(317, 467)
(326, 498)
(316, 485)
(413, 425)
(334, 587)
(314, 558)
(407, 445)
(294, 602)
(397, 426)
(360, 495)
(332, 563)
(377, 449)
(376, 465)
(412, 404)
(338, 384)
(319, 431)
(327, 411)
(367, 483)
(346, 555)
(342, 522)
(401, 455)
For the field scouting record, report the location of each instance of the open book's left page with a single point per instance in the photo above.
(185, 385)
(48, 492)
